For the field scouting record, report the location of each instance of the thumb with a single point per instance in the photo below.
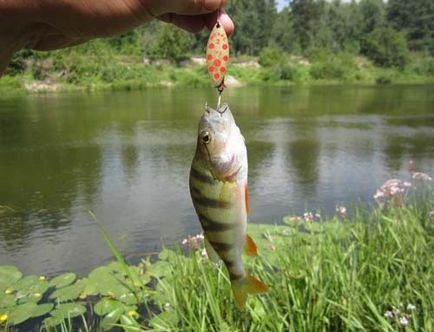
(183, 7)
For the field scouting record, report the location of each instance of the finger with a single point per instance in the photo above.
(223, 18)
(192, 24)
(183, 7)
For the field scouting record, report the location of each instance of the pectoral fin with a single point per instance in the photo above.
(250, 249)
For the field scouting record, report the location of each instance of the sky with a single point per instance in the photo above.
(283, 3)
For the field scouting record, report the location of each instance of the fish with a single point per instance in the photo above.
(219, 191)
(217, 55)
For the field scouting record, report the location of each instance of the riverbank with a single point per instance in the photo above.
(74, 71)
(373, 272)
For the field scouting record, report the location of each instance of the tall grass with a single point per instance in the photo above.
(334, 276)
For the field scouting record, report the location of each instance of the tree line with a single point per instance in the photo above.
(384, 32)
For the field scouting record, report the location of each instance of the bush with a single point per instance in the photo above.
(170, 43)
(271, 56)
(387, 47)
(334, 66)
(423, 65)
(279, 72)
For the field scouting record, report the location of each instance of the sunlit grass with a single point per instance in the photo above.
(331, 276)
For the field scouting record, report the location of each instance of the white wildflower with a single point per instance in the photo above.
(404, 321)
(388, 314)
(166, 306)
(341, 211)
(411, 307)
(184, 241)
(204, 253)
(379, 193)
(396, 311)
(421, 176)
(407, 184)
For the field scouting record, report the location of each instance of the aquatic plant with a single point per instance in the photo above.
(372, 271)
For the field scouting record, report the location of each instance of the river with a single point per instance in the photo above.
(126, 157)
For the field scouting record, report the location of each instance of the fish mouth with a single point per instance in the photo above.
(225, 107)
(221, 110)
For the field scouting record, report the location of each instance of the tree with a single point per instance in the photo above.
(308, 18)
(254, 19)
(373, 13)
(387, 47)
(169, 43)
(416, 17)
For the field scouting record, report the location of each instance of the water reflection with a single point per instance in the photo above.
(126, 157)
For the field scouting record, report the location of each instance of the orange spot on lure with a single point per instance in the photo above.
(217, 54)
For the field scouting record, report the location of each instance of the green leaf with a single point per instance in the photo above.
(28, 310)
(69, 292)
(51, 322)
(112, 318)
(164, 320)
(106, 306)
(130, 324)
(7, 300)
(30, 288)
(8, 275)
(42, 309)
(21, 313)
(68, 310)
(63, 280)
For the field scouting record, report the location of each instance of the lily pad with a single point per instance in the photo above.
(21, 313)
(28, 310)
(8, 275)
(30, 288)
(68, 310)
(69, 292)
(7, 300)
(105, 306)
(63, 280)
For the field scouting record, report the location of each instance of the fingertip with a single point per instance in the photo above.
(221, 16)
(226, 21)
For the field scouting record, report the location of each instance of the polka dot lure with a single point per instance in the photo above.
(217, 56)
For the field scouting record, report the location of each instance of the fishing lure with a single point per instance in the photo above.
(217, 57)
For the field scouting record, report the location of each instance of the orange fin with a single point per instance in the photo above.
(246, 197)
(248, 285)
(250, 249)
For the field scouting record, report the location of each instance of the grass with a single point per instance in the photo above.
(374, 272)
(332, 276)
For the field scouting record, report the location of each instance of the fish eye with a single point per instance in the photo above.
(205, 137)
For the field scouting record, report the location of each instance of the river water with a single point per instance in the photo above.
(126, 157)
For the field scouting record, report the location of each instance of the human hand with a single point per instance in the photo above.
(47, 24)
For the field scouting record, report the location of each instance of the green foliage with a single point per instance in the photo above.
(416, 18)
(327, 65)
(270, 56)
(387, 47)
(169, 43)
(322, 275)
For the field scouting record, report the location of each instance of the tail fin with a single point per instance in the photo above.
(247, 285)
